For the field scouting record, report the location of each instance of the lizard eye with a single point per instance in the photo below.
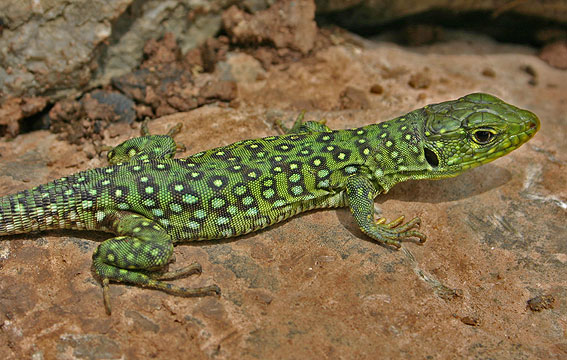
(483, 136)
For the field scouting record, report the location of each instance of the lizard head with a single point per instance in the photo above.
(471, 131)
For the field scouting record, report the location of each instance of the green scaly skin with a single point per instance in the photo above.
(152, 201)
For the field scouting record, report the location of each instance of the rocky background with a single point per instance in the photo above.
(489, 283)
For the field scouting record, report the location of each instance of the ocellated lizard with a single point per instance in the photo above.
(151, 201)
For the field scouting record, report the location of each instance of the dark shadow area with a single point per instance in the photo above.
(39, 121)
(474, 182)
(430, 26)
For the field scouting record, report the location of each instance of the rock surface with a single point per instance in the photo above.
(60, 48)
(314, 286)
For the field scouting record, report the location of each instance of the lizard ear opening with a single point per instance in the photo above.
(431, 157)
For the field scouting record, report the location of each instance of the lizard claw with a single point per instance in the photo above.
(394, 232)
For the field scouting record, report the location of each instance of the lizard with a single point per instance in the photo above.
(151, 201)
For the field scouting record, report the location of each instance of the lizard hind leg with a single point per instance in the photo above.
(146, 146)
(138, 256)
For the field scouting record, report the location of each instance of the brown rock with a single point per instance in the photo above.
(162, 51)
(14, 110)
(419, 81)
(286, 24)
(541, 302)
(555, 54)
(221, 90)
(353, 98)
(316, 287)
(376, 89)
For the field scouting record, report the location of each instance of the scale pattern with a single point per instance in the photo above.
(151, 200)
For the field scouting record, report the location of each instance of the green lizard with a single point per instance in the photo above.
(152, 201)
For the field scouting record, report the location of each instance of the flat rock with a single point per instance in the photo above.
(315, 286)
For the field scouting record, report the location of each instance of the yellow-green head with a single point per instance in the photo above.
(471, 131)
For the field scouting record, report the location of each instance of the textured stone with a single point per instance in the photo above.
(314, 286)
(286, 24)
(59, 48)
(48, 47)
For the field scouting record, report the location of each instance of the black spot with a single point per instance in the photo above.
(318, 162)
(137, 167)
(325, 137)
(217, 182)
(111, 252)
(431, 157)
(258, 155)
(278, 159)
(240, 190)
(349, 170)
(194, 175)
(120, 192)
(173, 188)
(216, 207)
(247, 202)
(160, 166)
(365, 151)
(148, 179)
(149, 190)
(297, 137)
(341, 154)
(413, 138)
(189, 164)
(305, 151)
(254, 147)
(323, 174)
(284, 147)
(236, 168)
(221, 154)
(294, 166)
(358, 132)
(252, 174)
(298, 185)
(269, 190)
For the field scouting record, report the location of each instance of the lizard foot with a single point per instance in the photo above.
(193, 269)
(391, 233)
(172, 289)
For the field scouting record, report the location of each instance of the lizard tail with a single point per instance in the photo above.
(45, 207)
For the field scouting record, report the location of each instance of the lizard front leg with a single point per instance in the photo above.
(299, 126)
(360, 195)
(138, 256)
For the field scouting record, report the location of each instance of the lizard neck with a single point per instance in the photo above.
(398, 152)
